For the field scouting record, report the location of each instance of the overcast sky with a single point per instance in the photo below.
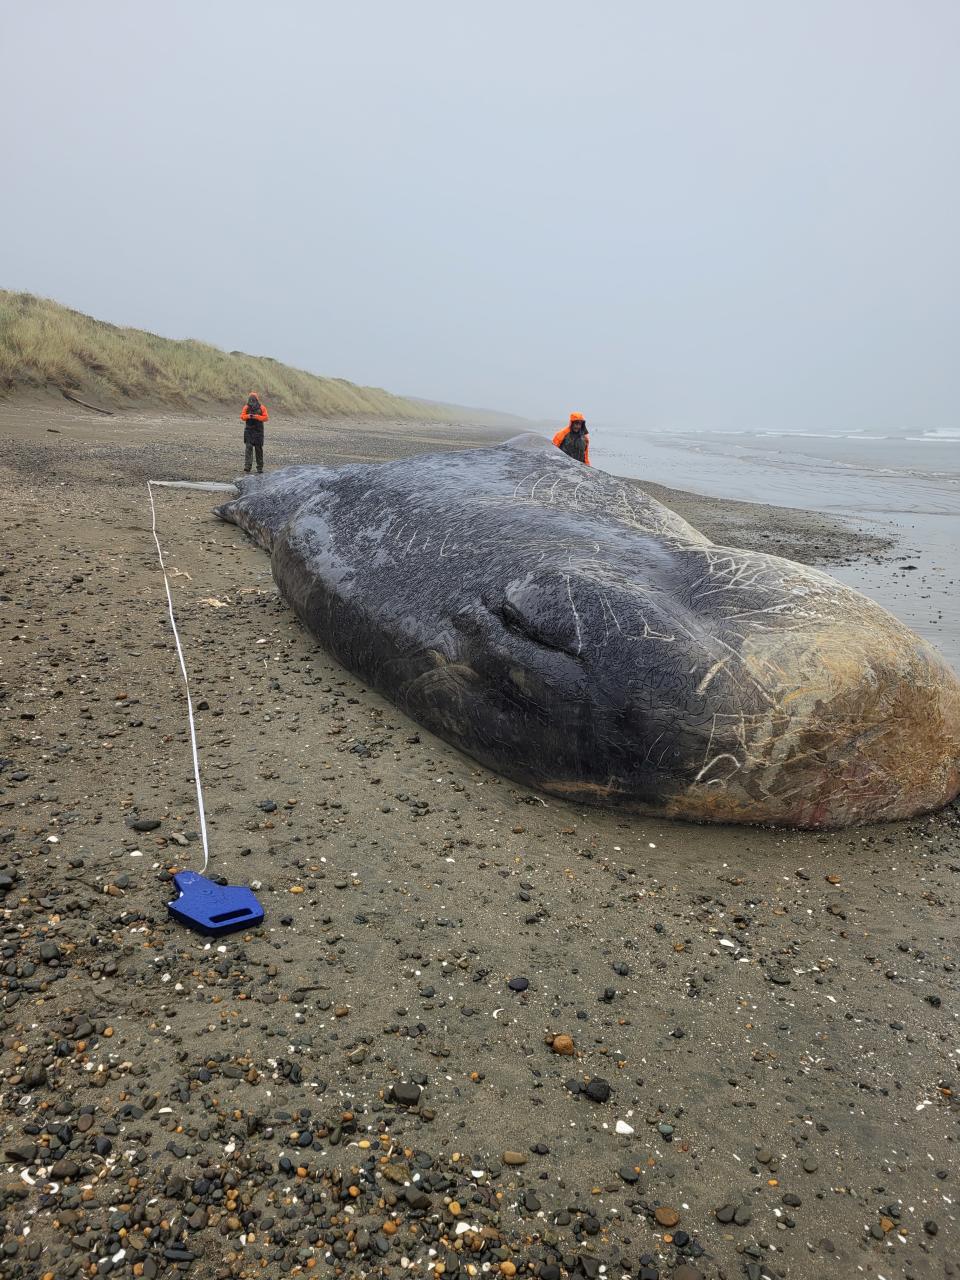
(667, 214)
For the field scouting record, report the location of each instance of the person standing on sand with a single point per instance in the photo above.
(253, 415)
(573, 440)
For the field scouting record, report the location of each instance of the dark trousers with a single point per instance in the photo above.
(253, 443)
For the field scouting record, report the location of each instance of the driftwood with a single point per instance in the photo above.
(68, 395)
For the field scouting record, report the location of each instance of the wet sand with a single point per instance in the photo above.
(775, 1013)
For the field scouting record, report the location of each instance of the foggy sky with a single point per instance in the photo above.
(666, 214)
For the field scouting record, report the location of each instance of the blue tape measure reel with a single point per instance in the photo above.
(214, 908)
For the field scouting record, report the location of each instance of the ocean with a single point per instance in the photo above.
(904, 485)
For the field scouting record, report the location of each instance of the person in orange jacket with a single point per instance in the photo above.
(253, 415)
(574, 440)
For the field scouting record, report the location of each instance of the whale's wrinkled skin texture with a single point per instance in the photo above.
(568, 631)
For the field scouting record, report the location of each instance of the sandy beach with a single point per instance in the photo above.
(762, 1077)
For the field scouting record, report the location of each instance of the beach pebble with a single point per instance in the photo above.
(21, 1153)
(144, 824)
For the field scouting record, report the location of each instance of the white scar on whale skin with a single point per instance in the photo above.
(724, 755)
(520, 483)
(717, 667)
(576, 617)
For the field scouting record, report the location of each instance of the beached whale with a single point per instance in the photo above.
(562, 627)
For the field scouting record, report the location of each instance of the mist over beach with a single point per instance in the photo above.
(583, 720)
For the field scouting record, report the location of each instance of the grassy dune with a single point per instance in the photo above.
(49, 347)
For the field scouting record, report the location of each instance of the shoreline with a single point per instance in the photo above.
(773, 1011)
(808, 536)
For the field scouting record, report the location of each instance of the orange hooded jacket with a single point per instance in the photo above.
(261, 417)
(562, 434)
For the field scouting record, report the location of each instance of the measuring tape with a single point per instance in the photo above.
(216, 488)
(201, 903)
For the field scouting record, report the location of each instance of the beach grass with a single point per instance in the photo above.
(44, 345)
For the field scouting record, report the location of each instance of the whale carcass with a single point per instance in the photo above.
(567, 630)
